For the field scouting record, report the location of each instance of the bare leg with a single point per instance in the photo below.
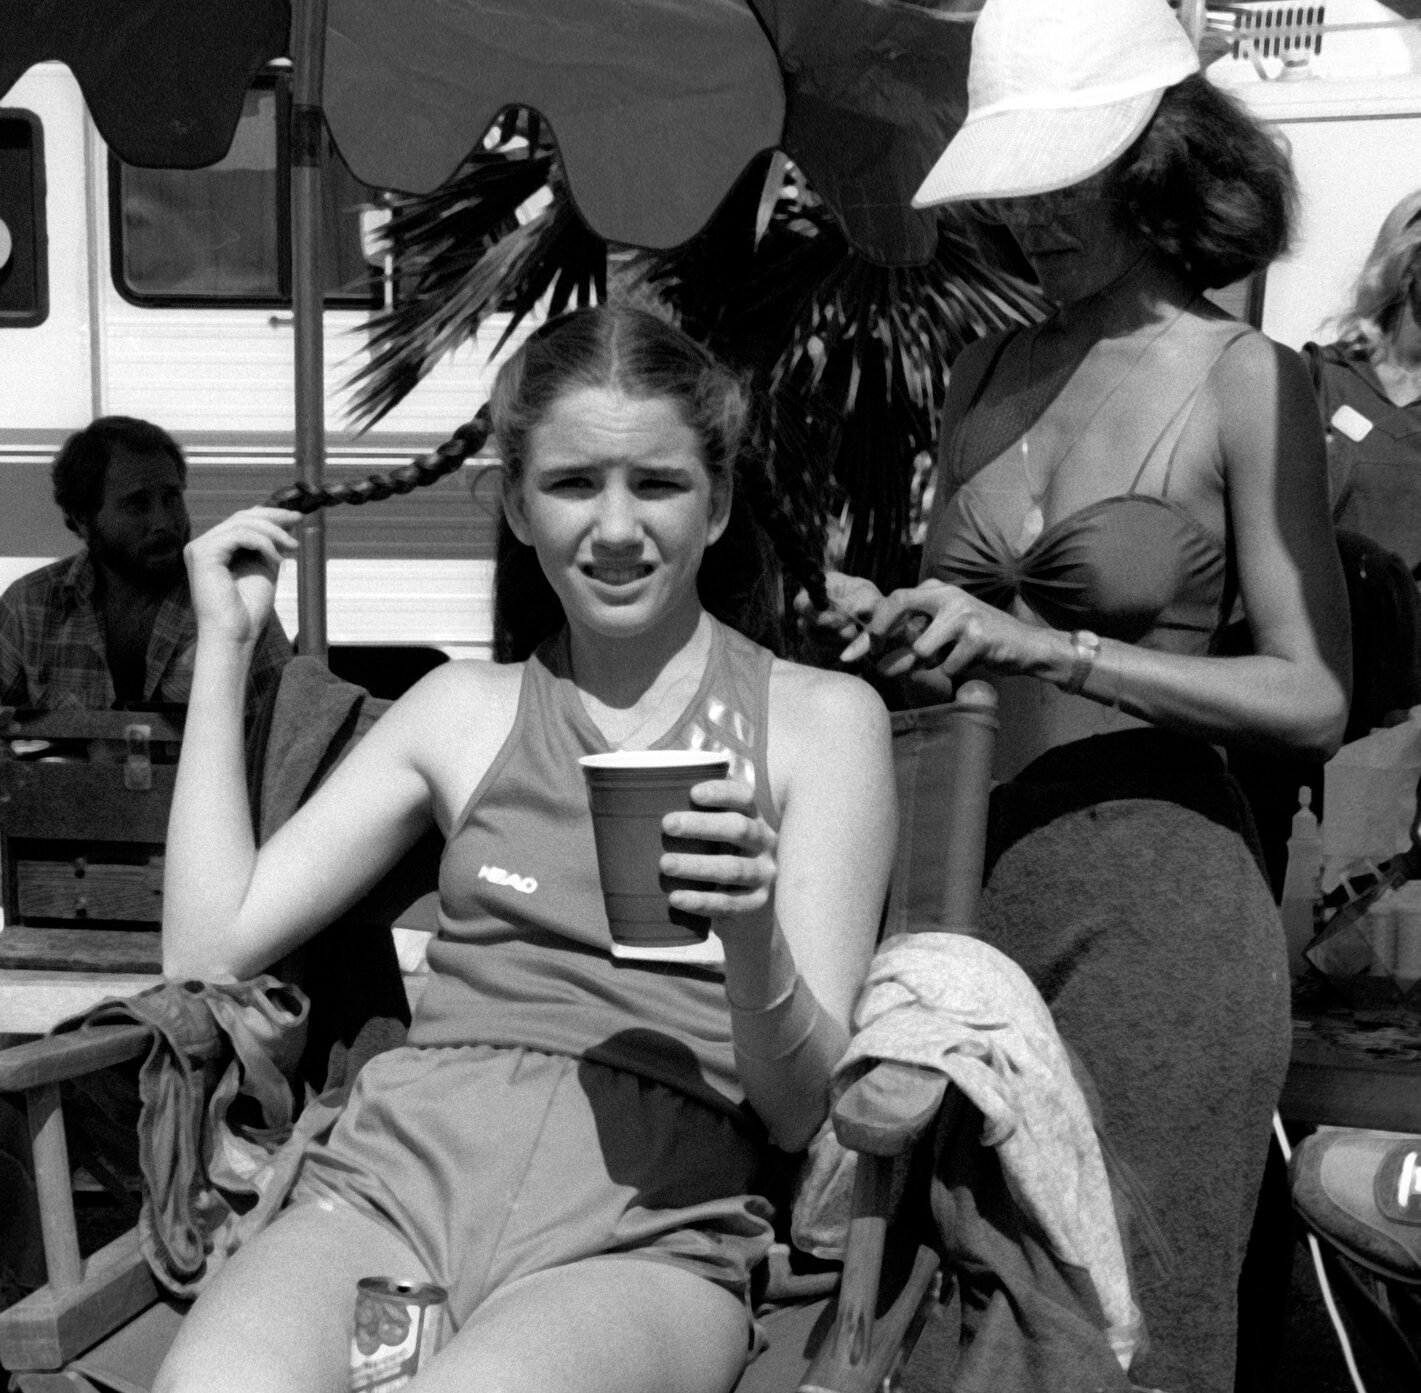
(277, 1317)
(603, 1325)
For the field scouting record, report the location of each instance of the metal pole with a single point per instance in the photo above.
(1193, 16)
(308, 51)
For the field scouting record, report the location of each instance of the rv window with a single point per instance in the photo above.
(221, 235)
(24, 283)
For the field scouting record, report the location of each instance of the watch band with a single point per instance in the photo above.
(1086, 646)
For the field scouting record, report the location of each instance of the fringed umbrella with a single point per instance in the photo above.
(657, 106)
(164, 79)
(651, 115)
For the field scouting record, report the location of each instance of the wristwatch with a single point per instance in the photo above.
(1086, 646)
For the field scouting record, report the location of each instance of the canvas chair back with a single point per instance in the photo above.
(942, 758)
(942, 767)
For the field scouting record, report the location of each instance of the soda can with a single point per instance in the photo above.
(398, 1326)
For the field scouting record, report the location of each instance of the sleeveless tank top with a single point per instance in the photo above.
(523, 952)
(1130, 566)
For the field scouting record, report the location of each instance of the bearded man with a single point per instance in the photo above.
(112, 625)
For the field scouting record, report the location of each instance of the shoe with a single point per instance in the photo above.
(1362, 1192)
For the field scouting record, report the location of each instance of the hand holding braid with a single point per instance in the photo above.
(466, 442)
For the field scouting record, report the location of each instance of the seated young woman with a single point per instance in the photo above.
(571, 1142)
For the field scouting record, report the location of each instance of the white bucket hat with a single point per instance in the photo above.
(1056, 89)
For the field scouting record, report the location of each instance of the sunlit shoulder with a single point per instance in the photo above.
(1257, 373)
(453, 721)
(817, 708)
(469, 690)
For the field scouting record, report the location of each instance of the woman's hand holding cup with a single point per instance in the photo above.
(733, 885)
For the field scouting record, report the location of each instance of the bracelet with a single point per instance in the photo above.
(776, 1031)
(1087, 649)
(785, 1055)
(774, 1005)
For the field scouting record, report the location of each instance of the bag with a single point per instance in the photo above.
(1360, 1194)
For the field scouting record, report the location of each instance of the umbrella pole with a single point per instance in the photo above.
(308, 45)
(1193, 17)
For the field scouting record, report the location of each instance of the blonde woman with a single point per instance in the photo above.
(1368, 383)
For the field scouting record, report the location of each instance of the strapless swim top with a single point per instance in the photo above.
(1125, 567)
(1130, 566)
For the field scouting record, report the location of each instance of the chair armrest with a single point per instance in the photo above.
(889, 1108)
(60, 1057)
(879, 1115)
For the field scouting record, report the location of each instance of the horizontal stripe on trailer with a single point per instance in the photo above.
(455, 518)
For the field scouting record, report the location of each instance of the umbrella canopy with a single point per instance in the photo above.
(874, 90)
(164, 79)
(659, 105)
(656, 105)
(658, 108)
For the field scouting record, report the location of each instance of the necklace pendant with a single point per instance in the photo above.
(1034, 520)
(1032, 526)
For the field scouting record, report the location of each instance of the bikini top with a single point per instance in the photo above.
(1131, 566)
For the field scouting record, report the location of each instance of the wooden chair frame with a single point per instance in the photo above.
(942, 809)
(102, 808)
(880, 1117)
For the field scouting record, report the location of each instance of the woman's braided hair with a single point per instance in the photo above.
(744, 576)
(444, 459)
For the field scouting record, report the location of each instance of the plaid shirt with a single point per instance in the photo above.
(52, 653)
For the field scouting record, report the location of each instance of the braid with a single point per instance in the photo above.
(799, 545)
(771, 547)
(467, 441)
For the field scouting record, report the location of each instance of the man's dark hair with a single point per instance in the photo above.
(80, 467)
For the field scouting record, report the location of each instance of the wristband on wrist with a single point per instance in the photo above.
(768, 1034)
(1086, 648)
(785, 1053)
(774, 1005)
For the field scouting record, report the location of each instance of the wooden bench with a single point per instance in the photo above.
(84, 799)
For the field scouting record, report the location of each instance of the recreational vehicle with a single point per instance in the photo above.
(166, 294)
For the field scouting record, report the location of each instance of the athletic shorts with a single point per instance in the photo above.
(493, 1163)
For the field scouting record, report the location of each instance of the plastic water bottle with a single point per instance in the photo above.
(1302, 882)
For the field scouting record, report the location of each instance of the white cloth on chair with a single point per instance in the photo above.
(955, 1004)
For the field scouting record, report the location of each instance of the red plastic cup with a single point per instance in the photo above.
(630, 791)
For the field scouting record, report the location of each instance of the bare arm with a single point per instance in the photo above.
(229, 910)
(799, 915)
(1291, 695)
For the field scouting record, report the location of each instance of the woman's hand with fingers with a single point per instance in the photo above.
(736, 882)
(942, 626)
(853, 601)
(232, 570)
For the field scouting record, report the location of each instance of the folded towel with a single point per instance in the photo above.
(955, 1004)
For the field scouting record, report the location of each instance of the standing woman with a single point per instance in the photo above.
(1111, 483)
(571, 1141)
(1369, 388)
